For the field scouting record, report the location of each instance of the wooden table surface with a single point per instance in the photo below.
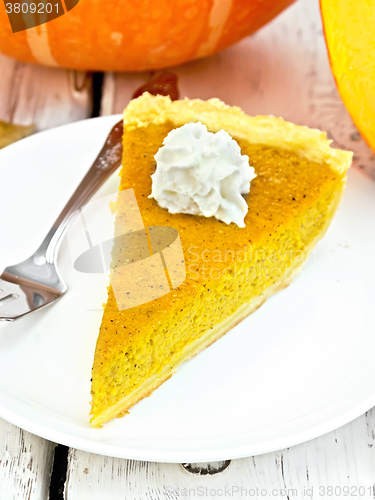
(282, 70)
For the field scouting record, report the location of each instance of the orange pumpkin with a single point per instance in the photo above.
(136, 35)
(349, 32)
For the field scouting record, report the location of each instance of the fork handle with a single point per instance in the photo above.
(108, 160)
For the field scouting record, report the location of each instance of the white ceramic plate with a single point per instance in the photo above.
(300, 366)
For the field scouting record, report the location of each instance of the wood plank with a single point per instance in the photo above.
(46, 97)
(343, 458)
(282, 70)
(25, 464)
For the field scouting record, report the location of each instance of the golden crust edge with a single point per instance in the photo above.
(267, 130)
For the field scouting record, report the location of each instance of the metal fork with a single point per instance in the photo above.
(36, 282)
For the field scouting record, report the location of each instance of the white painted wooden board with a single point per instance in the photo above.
(25, 464)
(343, 460)
(46, 97)
(283, 70)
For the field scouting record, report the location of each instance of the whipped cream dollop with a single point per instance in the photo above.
(202, 173)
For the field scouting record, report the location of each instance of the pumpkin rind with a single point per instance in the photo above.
(136, 35)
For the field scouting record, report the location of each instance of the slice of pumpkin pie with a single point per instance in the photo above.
(231, 206)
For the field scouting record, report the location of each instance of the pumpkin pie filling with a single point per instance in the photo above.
(230, 271)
